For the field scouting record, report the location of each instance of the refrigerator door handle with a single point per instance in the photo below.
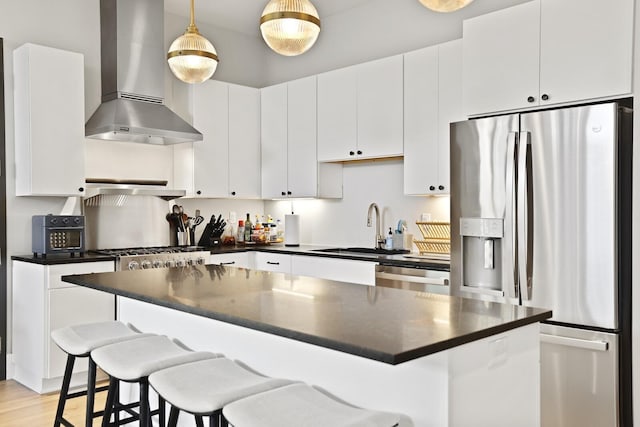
(524, 209)
(510, 212)
(595, 345)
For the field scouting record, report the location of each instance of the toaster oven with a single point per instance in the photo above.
(55, 234)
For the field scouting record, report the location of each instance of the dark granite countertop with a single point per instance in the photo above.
(62, 258)
(401, 260)
(383, 324)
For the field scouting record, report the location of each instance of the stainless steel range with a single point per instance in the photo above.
(156, 257)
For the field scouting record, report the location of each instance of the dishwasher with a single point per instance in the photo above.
(415, 279)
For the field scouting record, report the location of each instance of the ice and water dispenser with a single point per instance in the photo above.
(482, 248)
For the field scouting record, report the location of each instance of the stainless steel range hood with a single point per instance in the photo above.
(113, 187)
(133, 68)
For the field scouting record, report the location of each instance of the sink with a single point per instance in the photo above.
(374, 251)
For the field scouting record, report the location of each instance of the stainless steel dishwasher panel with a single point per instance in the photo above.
(579, 377)
(415, 279)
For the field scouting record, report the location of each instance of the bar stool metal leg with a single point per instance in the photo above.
(111, 398)
(64, 392)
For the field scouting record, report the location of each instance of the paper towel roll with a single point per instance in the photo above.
(292, 230)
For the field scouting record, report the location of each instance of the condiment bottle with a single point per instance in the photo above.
(240, 231)
(247, 229)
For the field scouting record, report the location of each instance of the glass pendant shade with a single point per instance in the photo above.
(290, 27)
(445, 5)
(191, 57)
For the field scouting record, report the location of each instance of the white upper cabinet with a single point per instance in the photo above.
(274, 141)
(547, 52)
(49, 121)
(432, 100)
(380, 108)
(289, 159)
(244, 142)
(360, 111)
(337, 114)
(211, 118)
(586, 49)
(501, 59)
(226, 163)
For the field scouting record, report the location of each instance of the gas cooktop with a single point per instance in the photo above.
(156, 256)
(148, 250)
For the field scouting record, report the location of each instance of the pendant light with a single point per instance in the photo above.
(191, 57)
(445, 5)
(290, 27)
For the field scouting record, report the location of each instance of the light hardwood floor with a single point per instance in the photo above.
(22, 407)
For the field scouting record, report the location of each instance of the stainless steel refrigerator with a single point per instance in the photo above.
(541, 216)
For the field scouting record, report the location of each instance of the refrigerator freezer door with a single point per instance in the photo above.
(482, 198)
(572, 214)
(578, 377)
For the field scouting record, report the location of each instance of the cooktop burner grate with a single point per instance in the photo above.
(148, 250)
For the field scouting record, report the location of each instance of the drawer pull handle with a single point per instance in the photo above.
(273, 263)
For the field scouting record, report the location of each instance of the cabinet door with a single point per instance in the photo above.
(337, 131)
(449, 106)
(586, 49)
(265, 261)
(274, 141)
(244, 142)
(210, 156)
(49, 121)
(379, 108)
(501, 52)
(302, 162)
(421, 120)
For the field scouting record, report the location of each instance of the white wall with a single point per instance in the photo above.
(372, 30)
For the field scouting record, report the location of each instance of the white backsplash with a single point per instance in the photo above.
(343, 222)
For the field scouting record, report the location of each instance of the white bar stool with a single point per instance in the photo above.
(79, 341)
(203, 388)
(134, 361)
(302, 405)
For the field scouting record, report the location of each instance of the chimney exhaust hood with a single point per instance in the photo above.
(133, 69)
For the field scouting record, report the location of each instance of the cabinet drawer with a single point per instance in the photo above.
(343, 270)
(238, 259)
(57, 271)
(280, 263)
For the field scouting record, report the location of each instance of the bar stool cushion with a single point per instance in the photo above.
(79, 340)
(135, 359)
(206, 386)
(302, 405)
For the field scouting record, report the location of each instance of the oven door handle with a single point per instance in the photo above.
(596, 345)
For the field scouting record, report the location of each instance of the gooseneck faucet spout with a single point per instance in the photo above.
(374, 207)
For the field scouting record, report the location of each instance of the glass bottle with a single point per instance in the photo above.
(247, 229)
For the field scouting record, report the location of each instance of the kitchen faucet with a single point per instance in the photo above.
(379, 240)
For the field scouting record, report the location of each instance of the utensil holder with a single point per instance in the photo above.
(183, 238)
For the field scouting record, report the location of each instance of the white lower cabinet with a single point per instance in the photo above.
(265, 261)
(234, 259)
(43, 303)
(343, 270)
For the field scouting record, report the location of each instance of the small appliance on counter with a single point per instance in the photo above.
(57, 234)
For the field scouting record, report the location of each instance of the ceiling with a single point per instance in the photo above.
(244, 15)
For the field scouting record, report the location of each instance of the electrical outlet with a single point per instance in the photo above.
(233, 218)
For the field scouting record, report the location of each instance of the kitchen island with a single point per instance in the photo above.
(441, 360)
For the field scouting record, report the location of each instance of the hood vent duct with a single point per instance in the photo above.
(133, 69)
